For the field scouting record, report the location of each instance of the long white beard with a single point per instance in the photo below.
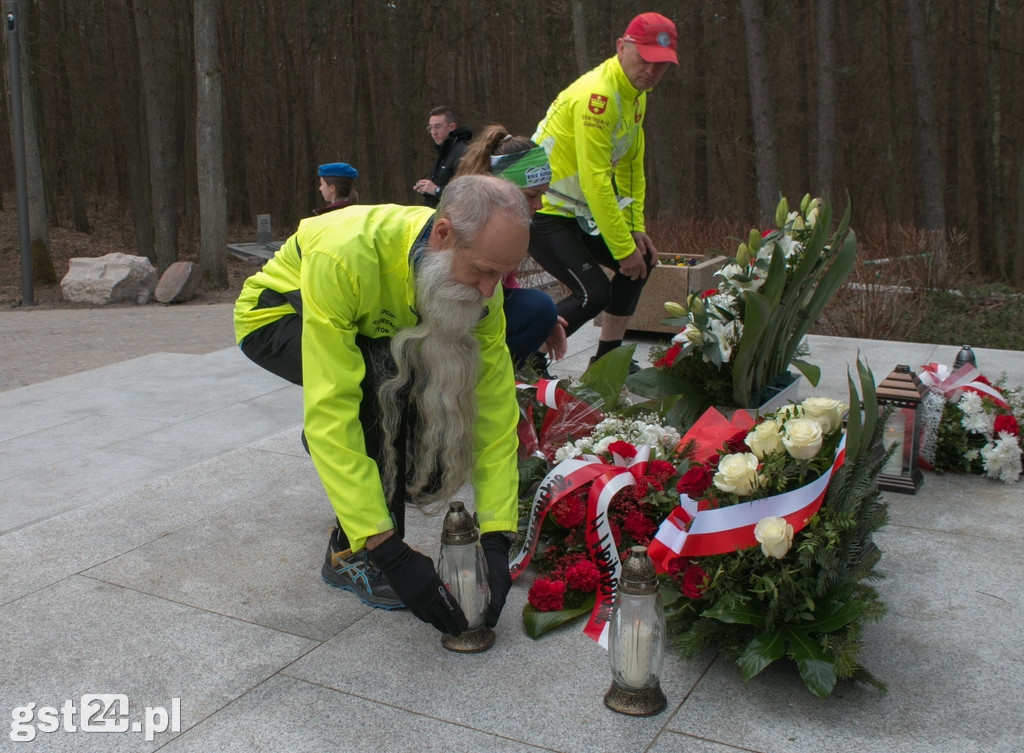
(436, 365)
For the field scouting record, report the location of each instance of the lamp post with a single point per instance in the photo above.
(903, 391)
(463, 570)
(636, 639)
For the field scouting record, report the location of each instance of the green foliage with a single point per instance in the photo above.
(743, 340)
(536, 622)
(809, 606)
(954, 443)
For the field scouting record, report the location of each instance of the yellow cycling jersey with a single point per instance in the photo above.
(593, 134)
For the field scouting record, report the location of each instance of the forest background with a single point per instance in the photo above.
(189, 117)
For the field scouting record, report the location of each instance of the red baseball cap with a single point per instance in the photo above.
(654, 37)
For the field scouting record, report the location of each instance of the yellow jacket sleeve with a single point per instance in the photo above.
(332, 368)
(495, 472)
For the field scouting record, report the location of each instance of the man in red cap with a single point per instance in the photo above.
(593, 212)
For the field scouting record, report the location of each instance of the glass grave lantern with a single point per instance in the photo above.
(636, 639)
(463, 570)
(903, 391)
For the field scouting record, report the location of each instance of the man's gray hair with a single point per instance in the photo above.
(470, 201)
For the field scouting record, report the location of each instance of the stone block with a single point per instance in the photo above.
(178, 284)
(108, 279)
(673, 279)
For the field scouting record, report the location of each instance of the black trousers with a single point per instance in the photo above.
(576, 260)
(277, 348)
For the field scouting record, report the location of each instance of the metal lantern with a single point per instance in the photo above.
(636, 639)
(964, 356)
(904, 392)
(463, 570)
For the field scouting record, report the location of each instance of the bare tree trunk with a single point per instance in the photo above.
(993, 122)
(932, 214)
(579, 36)
(1018, 255)
(155, 28)
(209, 148)
(701, 106)
(765, 158)
(826, 156)
(38, 221)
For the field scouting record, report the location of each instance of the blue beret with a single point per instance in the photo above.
(337, 170)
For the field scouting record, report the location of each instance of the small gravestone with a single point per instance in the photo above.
(178, 284)
(263, 232)
(108, 279)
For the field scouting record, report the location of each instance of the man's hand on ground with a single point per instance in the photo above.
(415, 582)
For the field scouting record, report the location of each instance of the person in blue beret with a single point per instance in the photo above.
(336, 186)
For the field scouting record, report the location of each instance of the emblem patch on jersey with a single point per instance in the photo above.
(598, 103)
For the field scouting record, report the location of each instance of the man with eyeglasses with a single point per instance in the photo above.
(450, 141)
(593, 211)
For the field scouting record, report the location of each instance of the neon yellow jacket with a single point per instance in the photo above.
(592, 132)
(355, 274)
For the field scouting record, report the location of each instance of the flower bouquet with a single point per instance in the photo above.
(738, 340)
(608, 491)
(971, 425)
(768, 554)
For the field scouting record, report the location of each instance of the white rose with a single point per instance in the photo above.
(764, 439)
(737, 473)
(774, 535)
(826, 411)
(802, 438)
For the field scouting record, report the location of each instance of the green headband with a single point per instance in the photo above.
(525, 169)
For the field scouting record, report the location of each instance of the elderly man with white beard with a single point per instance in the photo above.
(408, 390)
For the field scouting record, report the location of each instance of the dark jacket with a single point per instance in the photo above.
(449, 152)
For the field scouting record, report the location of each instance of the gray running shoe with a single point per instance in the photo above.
(357, 573)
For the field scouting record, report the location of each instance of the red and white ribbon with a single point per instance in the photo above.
(689, 533)
(605, 480)
(938, 378)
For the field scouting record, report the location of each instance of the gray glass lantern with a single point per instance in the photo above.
(904, 392)
(636, 639)
(463, 570)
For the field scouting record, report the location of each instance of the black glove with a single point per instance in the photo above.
(499, 580)
(413, 579)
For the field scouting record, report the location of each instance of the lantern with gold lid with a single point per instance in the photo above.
(903, 391)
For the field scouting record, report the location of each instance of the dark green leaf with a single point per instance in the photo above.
(815, 668)
(537, 623)
(607, 375)
(762, 651)
(743, 614)
(809, 370)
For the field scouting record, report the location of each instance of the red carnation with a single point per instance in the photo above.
(1005, 423)
(583, 576)
(666, 361)
(625, 449)
(638, 525)
(695, 581)
(661, 471)
(569, 511)
(708, 293)
(546, 595)
(695, 481)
